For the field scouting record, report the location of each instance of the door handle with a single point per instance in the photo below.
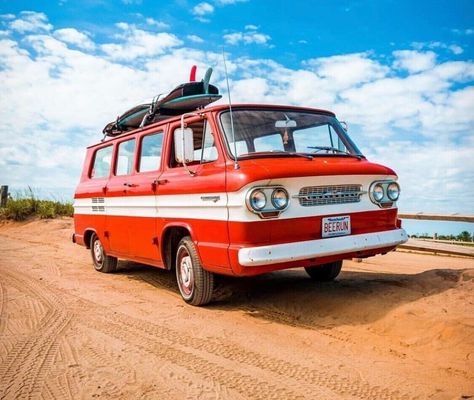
(130, 184)
(157, 182)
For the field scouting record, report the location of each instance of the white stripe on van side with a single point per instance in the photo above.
(228, 206)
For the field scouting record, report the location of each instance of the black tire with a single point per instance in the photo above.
(325, 272)
(195, 283)
(102, 262)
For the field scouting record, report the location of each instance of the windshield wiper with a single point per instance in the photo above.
(278, 152)
(334, 149)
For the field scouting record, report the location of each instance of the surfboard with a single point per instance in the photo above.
(186, 97)
(131, 119)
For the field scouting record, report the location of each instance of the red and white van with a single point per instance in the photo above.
(240, 192)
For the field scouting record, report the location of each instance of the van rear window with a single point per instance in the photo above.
(102, 163)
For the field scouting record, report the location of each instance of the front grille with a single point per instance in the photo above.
(333, 194)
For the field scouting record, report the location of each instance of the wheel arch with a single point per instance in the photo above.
(172, 234)
(88, 232)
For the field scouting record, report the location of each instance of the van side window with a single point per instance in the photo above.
(125, 157)
(150, 154)
(204, 146)
(102, 163)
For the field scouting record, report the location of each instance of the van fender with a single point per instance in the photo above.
(168, 247)
(86, 237)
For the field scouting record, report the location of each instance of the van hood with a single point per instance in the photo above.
(290, 167)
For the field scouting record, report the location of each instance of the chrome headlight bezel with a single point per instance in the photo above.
(377, 192)
(382, 198)
(393, 194)
(277, 201)
(253, 200)
(272, 208)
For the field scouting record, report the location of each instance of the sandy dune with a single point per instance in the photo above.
(399, 326)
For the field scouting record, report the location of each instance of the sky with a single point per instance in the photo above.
(400, 73)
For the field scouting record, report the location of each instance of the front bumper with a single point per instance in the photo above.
(287, 252)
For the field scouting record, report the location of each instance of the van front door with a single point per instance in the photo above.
(194, 197)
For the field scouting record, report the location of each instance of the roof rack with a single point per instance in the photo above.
(186, 97)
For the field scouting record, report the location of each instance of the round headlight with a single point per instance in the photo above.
(258, 200)
(377, 192)
(393, 191)
(279, 198)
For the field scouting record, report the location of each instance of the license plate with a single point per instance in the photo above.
(336, 226)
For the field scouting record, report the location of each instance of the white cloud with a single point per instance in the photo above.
(431, 175)
(453, 48)
(203, 9)
(251, 27)
(414, 61)
(134, 43)
(73, 36)
(157, 24)
(227, 2)
(348, 70)
(248, 37)
(195, 39)
(456, 49)
(469, 31)
(30, 21)
(7, 16)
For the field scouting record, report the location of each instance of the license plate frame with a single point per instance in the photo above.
(336, 226)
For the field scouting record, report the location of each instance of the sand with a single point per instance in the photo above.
(398, 326)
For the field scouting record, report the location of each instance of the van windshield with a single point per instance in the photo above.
(264, 132)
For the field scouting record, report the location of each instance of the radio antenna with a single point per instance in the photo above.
(236, 163)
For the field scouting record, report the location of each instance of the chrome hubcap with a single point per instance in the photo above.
(98, 251)
(186, 274)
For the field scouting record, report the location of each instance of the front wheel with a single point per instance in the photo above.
(325, 272)
(195, 283)
(102, 262)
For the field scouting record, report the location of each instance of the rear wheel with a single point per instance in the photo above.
(325, 272)
(102, 262)
(195, 283)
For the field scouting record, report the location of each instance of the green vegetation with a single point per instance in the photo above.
(463, 239)
(26, 205)
(464, 236)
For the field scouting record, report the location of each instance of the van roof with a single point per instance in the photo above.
(217, 108)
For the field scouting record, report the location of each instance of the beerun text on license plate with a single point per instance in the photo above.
(336, 226)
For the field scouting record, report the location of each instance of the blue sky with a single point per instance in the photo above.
(399, 72)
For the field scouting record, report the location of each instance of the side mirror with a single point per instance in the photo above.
(183, 145)
(344, 125)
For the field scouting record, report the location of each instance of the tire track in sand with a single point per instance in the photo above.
(311, 378)
(246, 385)
(162, 342)
(3, 302)
(30, 359)
(319, 376)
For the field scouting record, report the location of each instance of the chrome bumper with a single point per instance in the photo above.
(280, 253)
